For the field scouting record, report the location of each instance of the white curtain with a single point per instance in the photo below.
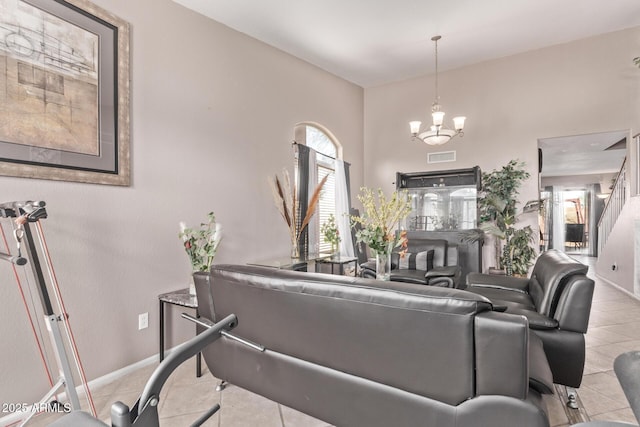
(312, 183)
(592, 219)
(342, 210)
(558, 219)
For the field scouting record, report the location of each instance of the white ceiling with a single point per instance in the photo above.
(372, 42)
(591, 154)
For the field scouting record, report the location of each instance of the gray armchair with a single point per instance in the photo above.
(556, 300)
(431, 262)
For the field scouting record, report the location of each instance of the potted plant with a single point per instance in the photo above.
(201, 244)
(331, 234)
(498, 216)
(518, 253)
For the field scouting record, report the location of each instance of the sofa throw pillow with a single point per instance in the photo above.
(414, 261)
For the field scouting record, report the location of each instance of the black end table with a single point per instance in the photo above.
(340, 261)
(180, 298)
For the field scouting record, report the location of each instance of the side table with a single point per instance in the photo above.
(340, 261)
(181, 298)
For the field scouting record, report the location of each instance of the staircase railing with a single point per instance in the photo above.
(613, 207)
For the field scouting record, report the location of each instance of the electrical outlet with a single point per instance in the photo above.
(143, 321)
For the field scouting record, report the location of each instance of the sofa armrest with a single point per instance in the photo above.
(447, 271)
(502, 364)
(448, 276)
(536, 320)
(368, 270)
(520, 284)
(369, 265)
(443, 282)
(574, 305)
(540, 375)
(509, 357)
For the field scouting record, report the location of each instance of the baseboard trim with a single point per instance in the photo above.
(120, 373)
(620, 288)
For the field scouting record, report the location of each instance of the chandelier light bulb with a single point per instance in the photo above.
(415, 127)
(438, 118)
(458, 123)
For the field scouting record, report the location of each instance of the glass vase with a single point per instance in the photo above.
(335, 250)
(383, 266)
(295, 249)
(192, 285)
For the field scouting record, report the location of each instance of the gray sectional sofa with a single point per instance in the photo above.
(355, 351)
(556, 300)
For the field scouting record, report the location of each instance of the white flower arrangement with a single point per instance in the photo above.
(201, 244)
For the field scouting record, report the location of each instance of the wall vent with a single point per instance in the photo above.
(441, 157)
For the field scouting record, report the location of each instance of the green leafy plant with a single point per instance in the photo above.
(518, 252)
(380, 219)
(501, 185)
(330, 231)
(498, 216)
(201, 244)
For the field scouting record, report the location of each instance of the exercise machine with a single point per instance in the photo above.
(144, 413)
(31, 253)
(25, 220)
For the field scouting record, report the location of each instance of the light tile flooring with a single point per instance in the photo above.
(614, 328)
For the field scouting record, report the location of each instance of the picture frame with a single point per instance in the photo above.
(64, 92)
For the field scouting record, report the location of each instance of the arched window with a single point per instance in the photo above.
(327, 149)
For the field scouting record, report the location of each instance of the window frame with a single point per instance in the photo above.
(322, 166)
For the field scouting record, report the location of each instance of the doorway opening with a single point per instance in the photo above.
(576, 174)
(569, 219)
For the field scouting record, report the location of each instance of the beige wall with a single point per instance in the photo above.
(581, 87)
(213, 113)
(622, 250)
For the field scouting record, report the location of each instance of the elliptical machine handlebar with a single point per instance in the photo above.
(31, 210)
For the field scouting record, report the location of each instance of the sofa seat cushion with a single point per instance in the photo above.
(446, 271)
(498, 281)
(409, 276)
(499, 296)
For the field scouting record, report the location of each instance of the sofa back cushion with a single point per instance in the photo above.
(413, 261)
(549, 276)
(398, 334)
(438, 246)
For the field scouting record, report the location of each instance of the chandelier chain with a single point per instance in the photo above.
(436, 48)
(438, 133)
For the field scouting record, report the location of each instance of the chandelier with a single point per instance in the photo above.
(438, 133)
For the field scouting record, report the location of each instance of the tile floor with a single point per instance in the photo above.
(614, 328)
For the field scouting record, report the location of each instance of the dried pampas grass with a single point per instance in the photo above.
(284, 197)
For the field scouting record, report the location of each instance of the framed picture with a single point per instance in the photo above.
(64, 92)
